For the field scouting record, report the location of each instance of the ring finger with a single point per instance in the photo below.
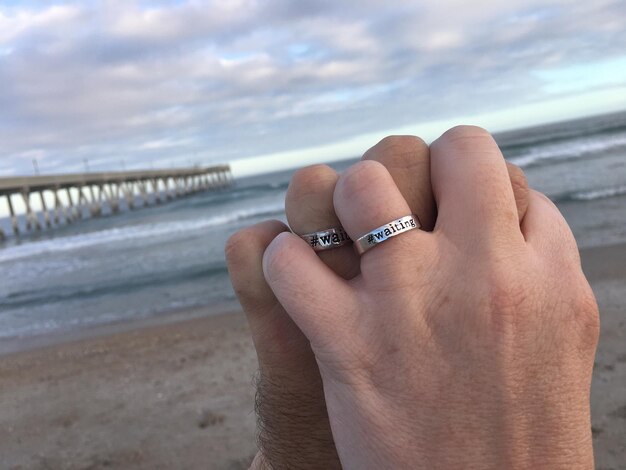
(309, 201)
(309, 204)
(309, 208)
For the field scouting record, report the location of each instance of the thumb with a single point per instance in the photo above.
(315, 297)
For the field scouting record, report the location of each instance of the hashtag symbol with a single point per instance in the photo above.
(315, 240)
(370, 239)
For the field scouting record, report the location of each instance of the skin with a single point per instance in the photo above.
(294, 431)
(467, 347)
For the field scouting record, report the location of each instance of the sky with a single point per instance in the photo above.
(118, 84)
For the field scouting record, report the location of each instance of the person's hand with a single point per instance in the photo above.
(293, 422)
(468, 347)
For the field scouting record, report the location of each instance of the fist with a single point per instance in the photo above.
(470, 346)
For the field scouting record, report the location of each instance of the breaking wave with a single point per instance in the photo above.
(116, 235)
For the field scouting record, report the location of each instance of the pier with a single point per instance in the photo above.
(64, 199)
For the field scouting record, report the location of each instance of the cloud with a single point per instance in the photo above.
(578, 77)
(178, 81)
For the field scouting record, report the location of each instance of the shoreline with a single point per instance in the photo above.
(176, 390)
(17, 345)
(599, 262)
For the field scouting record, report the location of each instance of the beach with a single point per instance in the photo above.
(180, 395)
(122, 345)
(138, 137)
(171, 396)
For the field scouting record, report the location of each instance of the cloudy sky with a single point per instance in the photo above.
(175, 83)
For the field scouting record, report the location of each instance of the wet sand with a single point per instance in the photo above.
(179, 395)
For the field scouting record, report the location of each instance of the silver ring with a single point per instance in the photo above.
(327, 239)
(385, 232)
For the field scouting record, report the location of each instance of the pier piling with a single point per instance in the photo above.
(76, 213)
(44, 209)
(31, 217)
(156, 191)
(14, 223)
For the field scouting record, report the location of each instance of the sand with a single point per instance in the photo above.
(176, 396)
(606, 270)
(179, 395)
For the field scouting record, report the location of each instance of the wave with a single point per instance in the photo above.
(591, 194)
(103, 237)
(235, 194)
(567, 150)
(38, 326)
(119, 286)
(608, 124)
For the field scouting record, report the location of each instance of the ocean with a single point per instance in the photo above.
(152, 261)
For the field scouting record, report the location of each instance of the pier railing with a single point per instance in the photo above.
(72, 196)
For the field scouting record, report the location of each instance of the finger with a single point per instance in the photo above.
(471, 185)
(366, 197)
(309, 208)
(316, 298)
(278, 341)
(519, 183)
(407, 158)
(547, 232)
(291, 413)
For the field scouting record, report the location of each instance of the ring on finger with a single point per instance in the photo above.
(385, 232)
(327, 239)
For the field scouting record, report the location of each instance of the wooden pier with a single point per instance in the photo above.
(67, 198)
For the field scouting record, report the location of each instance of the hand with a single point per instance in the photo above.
(293, 423)
(468, 347)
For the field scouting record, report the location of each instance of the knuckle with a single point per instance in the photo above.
(506, 296)
(517, 175)
(238, 247)
(400, 151)
(465, 138)
(519, 182)
(466, 131)
(310, 181)
(506, 289)
(397, 144)
(359, 178)
(248, 244)
(587, 317)
(309, 199)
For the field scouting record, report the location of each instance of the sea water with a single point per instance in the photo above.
(160, 259)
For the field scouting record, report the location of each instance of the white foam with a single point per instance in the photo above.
(594, 194)
(153, 230)
(574, 148)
